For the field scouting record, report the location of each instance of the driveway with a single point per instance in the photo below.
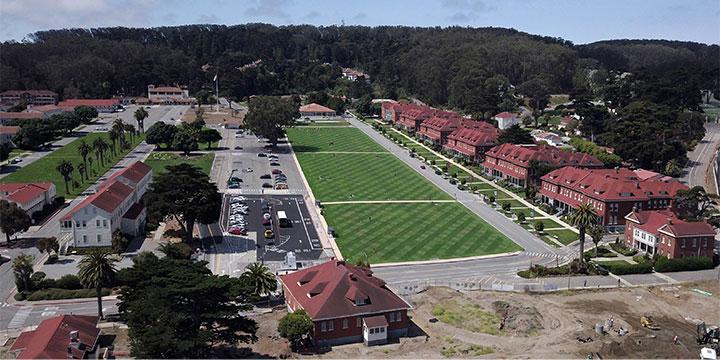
(700, 159)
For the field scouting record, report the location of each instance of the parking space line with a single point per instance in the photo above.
(307, 234)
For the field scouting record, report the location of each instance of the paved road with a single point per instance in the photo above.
(35, 155)
(13, 318)
(169, 114)
(701, 157)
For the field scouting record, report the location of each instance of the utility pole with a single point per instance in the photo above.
(217, 95)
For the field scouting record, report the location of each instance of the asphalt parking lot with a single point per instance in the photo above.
(299, 237)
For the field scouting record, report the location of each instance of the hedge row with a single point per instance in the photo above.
(621, 248)
(689, 263)
(59, 294)
(623, 269)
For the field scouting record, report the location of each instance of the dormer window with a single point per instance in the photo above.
(361, 301)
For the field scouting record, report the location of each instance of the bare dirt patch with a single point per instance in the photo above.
(210, 116)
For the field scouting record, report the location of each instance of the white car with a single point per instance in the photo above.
(267, 216)
(249, 170)
(238, 199)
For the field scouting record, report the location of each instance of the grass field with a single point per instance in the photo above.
(409, 232)
(347, 139)
(344, 177)
(566, 237)
(43, 169)
(159, 160)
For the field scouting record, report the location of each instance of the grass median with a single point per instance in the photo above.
(159, 160)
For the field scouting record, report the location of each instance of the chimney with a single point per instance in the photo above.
(669, 220)
(74, 336)
(637, 184)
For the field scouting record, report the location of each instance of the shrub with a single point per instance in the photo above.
(20, 296)
(688, 263)
(47, 283)
(621, 248)
(520, 216)
(59, 294)
(641, 258)
(53, 258)
(506, 206)
(69, 282)
(539, 226)
(491, 199)
(624, 269)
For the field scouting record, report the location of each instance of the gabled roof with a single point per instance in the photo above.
(23, 192)
(522, 155)
(317, 108)
(166, 89)
(9, 130)
(443, 124)
(134, 173)
(655, 221)
(108, 198)
(134, 211)
(46, 108)
(329, 290)
(51, 339)
(620, 184)
(90, 102)
(475, 133)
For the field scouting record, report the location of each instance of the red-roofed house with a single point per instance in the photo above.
(169, 95)
(30, 97)
(7, 133)
(436, 130)
(31, 197)
(101, 105)
(613, 192)
(471, 140)
(506, 120)
(49, 110)
(61, 337)
(314, 109)
(513, 163)
(8, 117)
(662, 232)
(114, 206)
(412, 115)
(346, 303)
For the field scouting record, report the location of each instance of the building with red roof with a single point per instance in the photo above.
(506, 119)
(49, 110)
(8, 118)
(472, 139)
(101, 105)
(61, 337)
(114, 206)
(314, 110)
(612, 192)
(7, 133)
(169, 95)
(31, 197)
(514, 163)
(346, 303)
(662, 232)
(29, 97)
(436, 130)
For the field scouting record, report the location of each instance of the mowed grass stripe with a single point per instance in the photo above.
(331, 139)
(357, 177)
(411, 232)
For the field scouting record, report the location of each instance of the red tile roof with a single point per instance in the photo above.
(476, 133)
(375, 321)
(654, 221)
(51, 339)
(442, 124)
(135, 172)
(21, 193)
(522, 155)
(329, 291)
(4, 115)
(11, 130)
(90, 102)
(612, 184)
(316, 108)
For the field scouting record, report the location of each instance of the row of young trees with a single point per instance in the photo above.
(36, 133)
(185, 137)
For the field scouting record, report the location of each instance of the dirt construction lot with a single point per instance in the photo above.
(454, 324)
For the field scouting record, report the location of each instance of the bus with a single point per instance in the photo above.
(282, 219)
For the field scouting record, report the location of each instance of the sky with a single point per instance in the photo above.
(580, 21)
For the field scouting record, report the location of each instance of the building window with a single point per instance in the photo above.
(372, 330)
(97, 223)
(331, 325)
(682, 244)
(694, 242)
(84, 223)
(345, 323)
(104, 223)
(398, 316)
(392, 317)
(382, 329)
(323, 326)
(84, 238)
(359, 322)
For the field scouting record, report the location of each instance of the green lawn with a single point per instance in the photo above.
(159, 160)
(331, 139)
(44, 169)
(322, 123)
(344, 177)
(410, 232)
(564, 236)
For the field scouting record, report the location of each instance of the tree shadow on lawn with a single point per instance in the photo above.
(305, 148)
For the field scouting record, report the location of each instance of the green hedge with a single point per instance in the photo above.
(59, 294)
(689, 263)
(623, 269)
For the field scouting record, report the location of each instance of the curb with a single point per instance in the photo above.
(445, 261)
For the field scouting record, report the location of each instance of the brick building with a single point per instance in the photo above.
(411, 116)
(662, 232)
(346, 303)
(513, 163)
(7, 118)
(437, 129)
(612, 192)
(29, 97)
(472, 140)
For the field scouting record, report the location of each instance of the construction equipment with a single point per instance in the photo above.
(649, 323)
(708, 335)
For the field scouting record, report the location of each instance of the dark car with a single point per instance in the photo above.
(266, 176)
(438, 172)
(422, 167)
(266, 222)
(238, 148)
(266, 185)
(453, 181)
(274, 164)
(268, 146)
(276, 171)
(261, 155)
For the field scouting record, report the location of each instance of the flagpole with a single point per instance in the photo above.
(217, 94)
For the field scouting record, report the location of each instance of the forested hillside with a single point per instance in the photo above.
(438, 65)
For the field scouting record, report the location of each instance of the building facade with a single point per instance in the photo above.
(30, 97)
(506, 120)
(115, 206)
(31, 197)
(316, 110)
(514, 163)
(661, 232)
(612, 192)
(346, 303)
(472, 140)
(169, 95)
(436, 130)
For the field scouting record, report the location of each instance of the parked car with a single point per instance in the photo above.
(266, 185)
(249, 170)
(281, 186)
(422, 167)
(15, 160)
(266, 176)
(269, 234)
(234, 186)
(266, 222)
(438, 172)
(261, 155)
(238, 148)
(274, 164)
(277, 171)
(267, 216)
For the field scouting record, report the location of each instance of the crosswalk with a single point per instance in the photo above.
(20, 316)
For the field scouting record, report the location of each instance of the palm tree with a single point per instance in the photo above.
(129, 129)
(582, 218)
(82, 169)
(596, 233)
(90, 167)
(119, 129)
(84, 150)
(114, 136)
(65, 168)
(261, 279)
(100, 146)
(97, 269)
(140, 115)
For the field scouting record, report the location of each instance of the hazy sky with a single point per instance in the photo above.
(580, 21)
